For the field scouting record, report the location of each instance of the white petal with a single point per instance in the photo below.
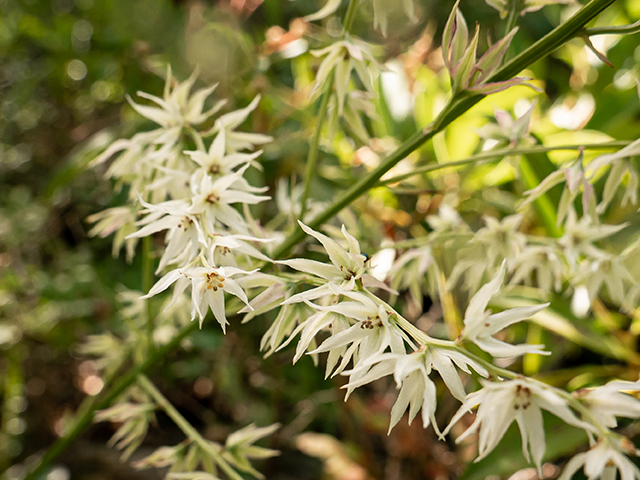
(478, 303)
(164, 283)
(337, 254)
(328, 272)
(501, 320)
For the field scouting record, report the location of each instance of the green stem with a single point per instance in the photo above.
(493, 155)
(515, 8)
(312, 157)
(618, 30)
(457, 106)
(350, 16)
(213, 449)
(84, 420)
(147, 281)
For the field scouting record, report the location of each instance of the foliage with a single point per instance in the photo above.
(248, 154)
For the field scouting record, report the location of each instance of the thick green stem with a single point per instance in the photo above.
(456, 107)
(84, 420)
(211, 448)
(493, 155)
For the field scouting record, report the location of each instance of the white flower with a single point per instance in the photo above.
(239, 447)
(373, 332)
(411, 374)
(610, 270)
(543, 261)
(480, 324)
(213, 198)
(208, 285)
(117, 219)
(221, 246)
(608, 402)
(236, 141)
(620, 164)
(499, 404)
(215, 161)
(177, 108)
(348, 266)
(579, 236)
(185, 235)
(508, 132)
(343, 57)
(603, 460)
(497, 240)
(417, 390)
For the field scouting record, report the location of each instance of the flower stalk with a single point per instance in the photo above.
(314, 150)
(186, 427)
(147, 282)
(493, 155)
(125, 381)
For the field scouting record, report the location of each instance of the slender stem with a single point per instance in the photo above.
(212, 448)
(493, 155)
(312, 157)
(618, 30)
(350, 16)
(457, 106)
(147, 280)
(84, 420)
(515, 7)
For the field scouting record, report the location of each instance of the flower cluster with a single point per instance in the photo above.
(191, 192)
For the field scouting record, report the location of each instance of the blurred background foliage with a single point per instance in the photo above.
(65, 68)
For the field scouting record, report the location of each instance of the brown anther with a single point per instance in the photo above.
(212, 198)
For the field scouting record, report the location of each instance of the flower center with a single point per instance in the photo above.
(214, 281)
(523, 398)
(185, 223)
(371, 322)
(347, 272)
(212, 198)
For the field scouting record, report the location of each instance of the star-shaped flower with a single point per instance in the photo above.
(603, 460)
(372, 333)
(345, 269)
(185, 236)
(608, 401)
(499, 404)
(411, 374)
(480, 324)
(208, 285)
(177, 107)
(212, 200)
